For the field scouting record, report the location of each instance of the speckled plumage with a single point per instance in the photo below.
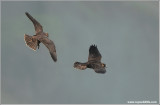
(94, 61)
(34, 41)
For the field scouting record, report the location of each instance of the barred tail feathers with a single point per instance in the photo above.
(31, 42)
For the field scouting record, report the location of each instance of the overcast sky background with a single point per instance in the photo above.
(126, 34)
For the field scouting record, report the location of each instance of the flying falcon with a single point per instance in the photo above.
(34, 41)
(94, 61)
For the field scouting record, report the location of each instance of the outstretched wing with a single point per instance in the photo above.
(37, 25)
(94, 54)
(100, 70)
(80, 66)
(51, 47)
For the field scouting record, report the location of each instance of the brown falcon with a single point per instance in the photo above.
(40, 36)
(94, 61)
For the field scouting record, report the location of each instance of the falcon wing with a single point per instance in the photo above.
(94, 54)
(37, 25)
(51, 47)
(100, 70)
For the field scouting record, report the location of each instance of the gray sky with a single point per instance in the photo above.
(126, 34)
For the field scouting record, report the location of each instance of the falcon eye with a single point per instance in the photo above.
(47, 34)
(104, 65)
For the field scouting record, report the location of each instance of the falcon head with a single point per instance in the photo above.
(103, 65)
(47, 34)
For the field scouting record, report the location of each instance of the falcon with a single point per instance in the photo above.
(34, 41)
(94, 61)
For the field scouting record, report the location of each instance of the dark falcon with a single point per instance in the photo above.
(40, 36)
(94, 61)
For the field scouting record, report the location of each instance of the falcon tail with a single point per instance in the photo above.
(31, 42)
(81, 66)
